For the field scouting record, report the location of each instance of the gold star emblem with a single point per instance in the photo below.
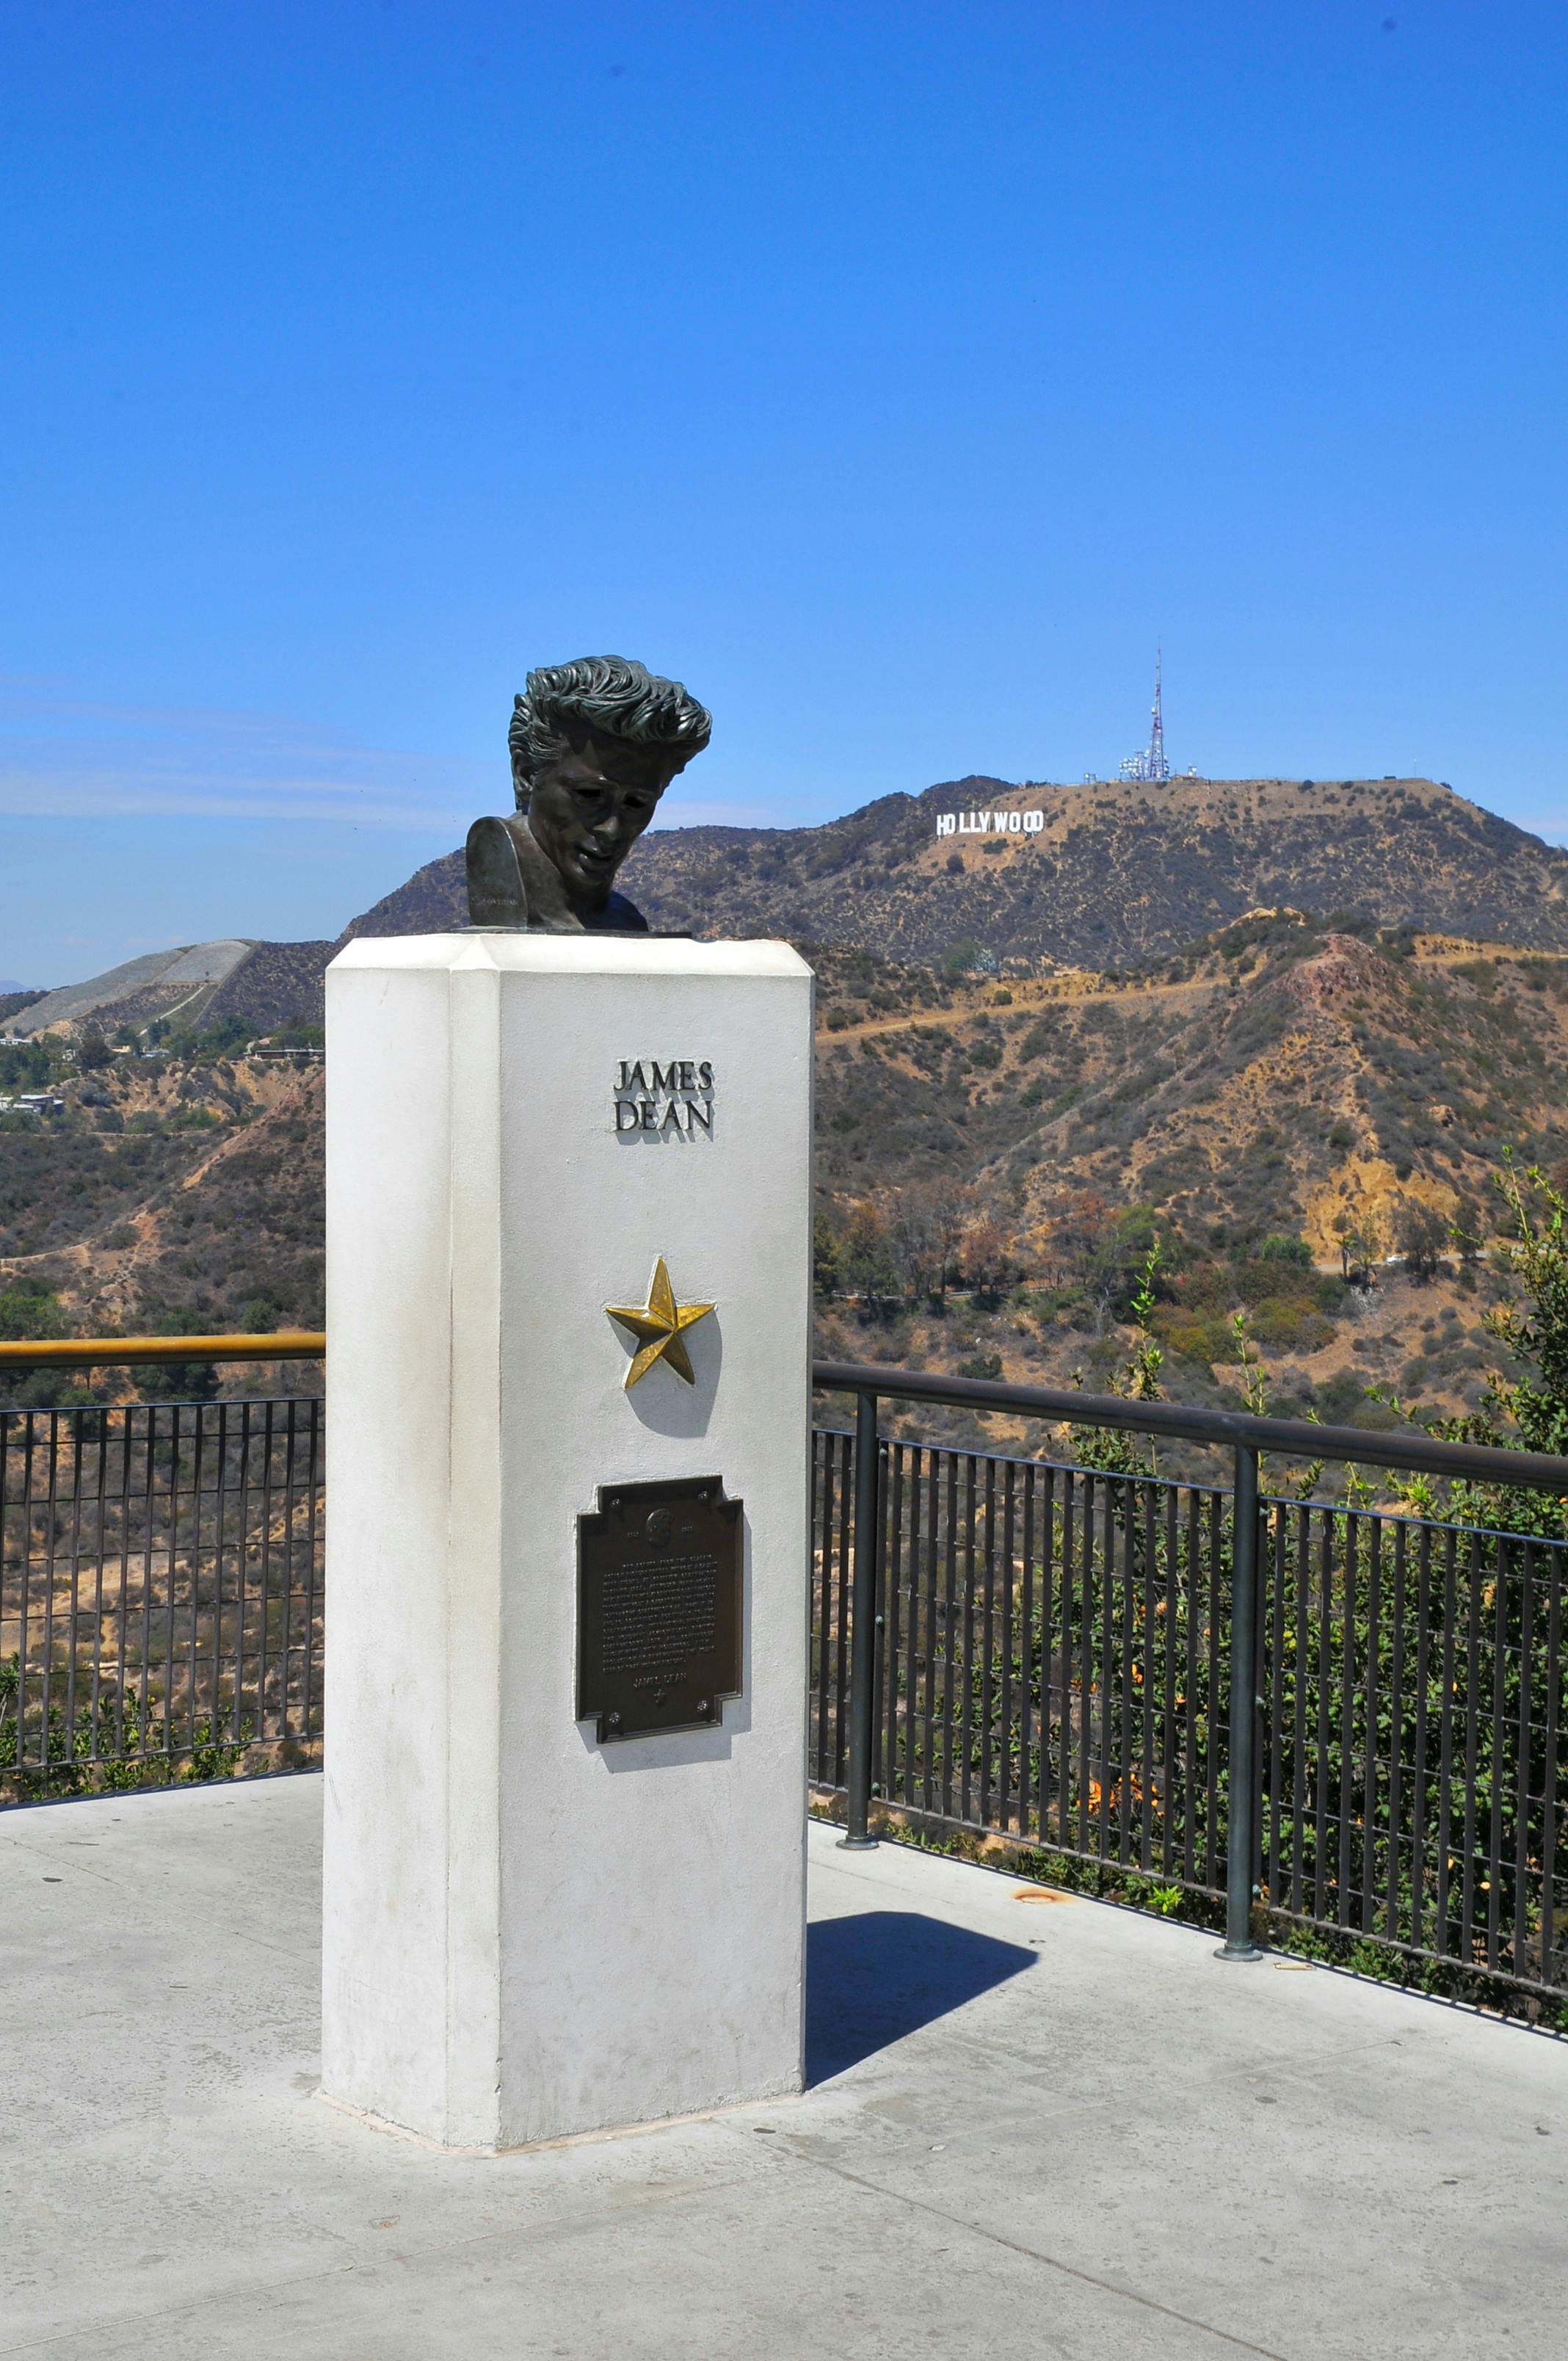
(659, 1326)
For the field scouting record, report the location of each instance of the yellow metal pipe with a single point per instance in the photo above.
(131, 1352)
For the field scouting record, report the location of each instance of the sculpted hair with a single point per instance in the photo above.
(610, 696)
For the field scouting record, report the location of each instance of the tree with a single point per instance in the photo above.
(1355, 1252)
(1530, 1412)
(94, 1053)
(825, 1258)
(950, 1206)
(29, 1312)
(1282, 1248)
(986, 1255)
(179, 1380)
(1464, 1229)
(911, 1240)
(1420, 1236)
(866, 1260)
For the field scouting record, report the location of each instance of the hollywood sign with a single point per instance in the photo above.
(990, 823)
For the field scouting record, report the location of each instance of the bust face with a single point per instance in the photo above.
(588, 805)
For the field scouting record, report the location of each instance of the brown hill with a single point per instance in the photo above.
(1288, 1075)
(1117, 874)
(1287, 1081)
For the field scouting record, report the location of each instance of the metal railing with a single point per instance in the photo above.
(1050, 1651)
(161, 1589)
(1002, 1644)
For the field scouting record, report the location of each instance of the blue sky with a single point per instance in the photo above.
(895, 375)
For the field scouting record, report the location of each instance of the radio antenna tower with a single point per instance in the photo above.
(1151, 764)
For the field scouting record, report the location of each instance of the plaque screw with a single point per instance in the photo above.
(703, 1706)
(612, 1720)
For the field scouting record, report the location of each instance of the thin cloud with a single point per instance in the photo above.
(67, 756)
(63, 755)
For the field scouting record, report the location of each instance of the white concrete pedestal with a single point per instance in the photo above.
(529, 1934)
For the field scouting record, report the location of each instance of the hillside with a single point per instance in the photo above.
(1116, 874)
(1279, 1108)
(171, 1188)
(193, 986)
(1113, 875)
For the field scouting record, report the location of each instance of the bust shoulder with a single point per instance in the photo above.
(512, 886)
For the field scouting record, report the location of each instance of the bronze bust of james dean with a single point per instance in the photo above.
(594, 744)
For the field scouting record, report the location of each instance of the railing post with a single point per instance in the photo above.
(1242, 1784)
(857, 1836)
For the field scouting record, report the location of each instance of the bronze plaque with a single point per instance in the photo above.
(658, 1607)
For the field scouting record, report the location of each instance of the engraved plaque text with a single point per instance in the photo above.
(659, 1610)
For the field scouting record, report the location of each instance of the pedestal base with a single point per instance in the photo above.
(531, 1931)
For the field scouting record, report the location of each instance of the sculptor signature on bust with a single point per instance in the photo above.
(594, 744)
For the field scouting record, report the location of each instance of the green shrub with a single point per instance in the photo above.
(29, 1312)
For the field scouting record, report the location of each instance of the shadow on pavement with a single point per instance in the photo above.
(879, 1974)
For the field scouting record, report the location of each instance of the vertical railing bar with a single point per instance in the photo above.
(889, 1620)
(242, 1601)
(816, 1635)
(94, 1748)
(1191, 1867)
(1367, 1915)
(1446, 1746)
(1126, 1497)
(1212, 1701)
(167, 1616)
(1005, 1812)
(1549, 1771)
(203, 1410)
(50, 1557)
(314, 1582)
(1421, 1803)
(1500, 1578)
(24, 1609)
(1272, 1689)
(122, 1609)
(1326, 1528)
(1085, 1655)
(1172, 1620)
(1108, 1667)
(822, 1568)
(1029, 1788)
(949, 1608)
(913, 1654)
(841, 1589)
(1351, 1573)
(1299, 1805)
(1146, 1688)
(79, 1421)
(143, 1688)
(1061, 1616)
(1126, 1510)
(285, 1617)
(263, 1634)
(857, 1836)
(1525, 1755)
(966, 1736)
(933, 1643)
(1241, 1720)
(987, 1681)
(1471, 1742)
(220, 1545)
(1397, 1732)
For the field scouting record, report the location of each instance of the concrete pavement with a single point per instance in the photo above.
(1035, 2127)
